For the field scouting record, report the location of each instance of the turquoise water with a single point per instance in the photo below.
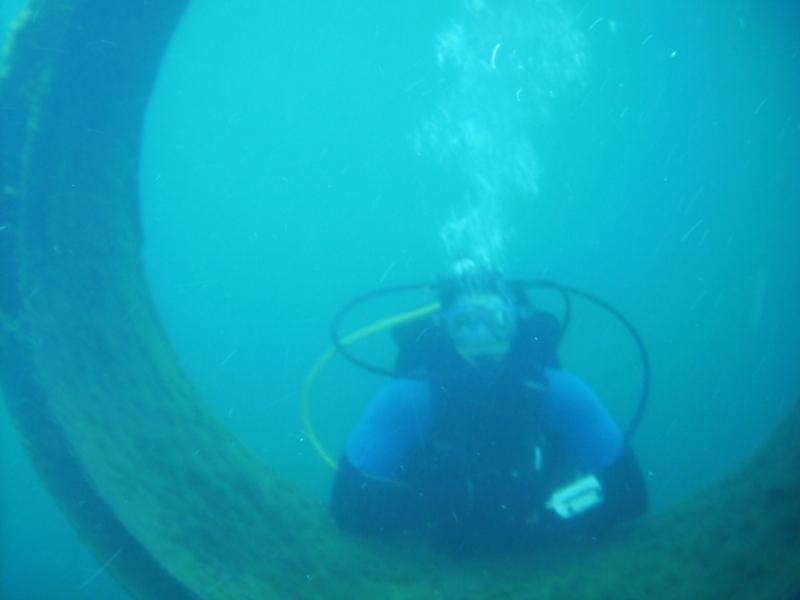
(292, 160)
(646, 155)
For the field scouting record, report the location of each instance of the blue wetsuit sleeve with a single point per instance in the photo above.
(367, 495)
(597, 445)
(394, 421)
(581, 424)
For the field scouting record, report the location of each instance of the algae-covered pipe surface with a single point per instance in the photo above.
(145, 472)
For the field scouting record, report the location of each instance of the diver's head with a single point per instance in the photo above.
(480, 315)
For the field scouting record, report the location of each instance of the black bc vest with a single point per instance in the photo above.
(487, 462)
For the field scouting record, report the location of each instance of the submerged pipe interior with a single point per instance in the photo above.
(142, 468)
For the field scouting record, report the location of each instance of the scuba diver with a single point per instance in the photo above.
(482, 441)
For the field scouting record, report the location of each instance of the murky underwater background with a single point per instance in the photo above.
(293, 160)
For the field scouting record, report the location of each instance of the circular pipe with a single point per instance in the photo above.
(158, 489)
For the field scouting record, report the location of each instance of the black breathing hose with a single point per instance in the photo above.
(565, 292)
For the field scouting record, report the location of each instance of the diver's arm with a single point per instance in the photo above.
(368, 493)
(371, 505)
(623, 496)
(599, 449)
(624, 491)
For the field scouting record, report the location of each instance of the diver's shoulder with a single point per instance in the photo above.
(406, 386)
(404, 395)
(566, 387)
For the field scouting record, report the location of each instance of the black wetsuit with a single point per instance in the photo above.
(473, 459)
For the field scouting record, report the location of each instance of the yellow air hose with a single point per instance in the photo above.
(322, 362)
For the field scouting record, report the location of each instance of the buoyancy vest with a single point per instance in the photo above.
(487, 463)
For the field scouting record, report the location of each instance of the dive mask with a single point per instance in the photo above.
(481, 328)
